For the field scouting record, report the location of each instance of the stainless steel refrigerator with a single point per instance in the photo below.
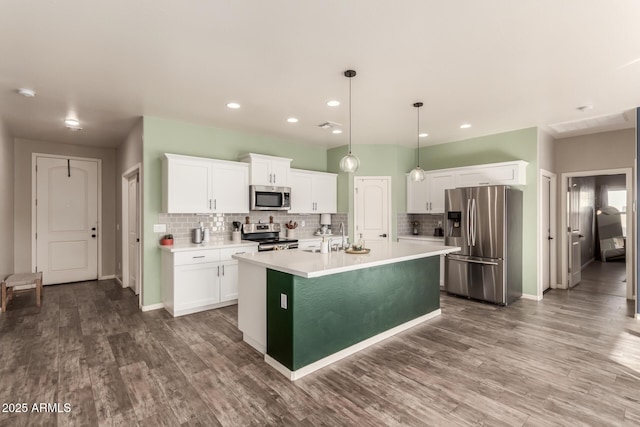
(486, 222)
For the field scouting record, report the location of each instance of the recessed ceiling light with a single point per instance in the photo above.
(465, 126)
(336, 131)
(73, 124)
(333, 103)
(423, 135)
(292, 120)
(29, 93)
(233, 105)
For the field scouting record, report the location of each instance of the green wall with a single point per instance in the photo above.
(375, 160)
(169, 136)
(516, 145)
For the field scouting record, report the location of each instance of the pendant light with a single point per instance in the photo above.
(349, 163)
(417, 173)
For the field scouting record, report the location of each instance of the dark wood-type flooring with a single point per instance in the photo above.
(571, 359)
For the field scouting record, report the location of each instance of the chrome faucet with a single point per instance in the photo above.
(342, 243)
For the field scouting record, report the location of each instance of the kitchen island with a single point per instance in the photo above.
(306, 310)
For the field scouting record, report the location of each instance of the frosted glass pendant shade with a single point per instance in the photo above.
(349, 163)
(417, 174)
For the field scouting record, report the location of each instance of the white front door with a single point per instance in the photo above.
(133, 237)
(575, 261)
(372, 208)
(66, 219)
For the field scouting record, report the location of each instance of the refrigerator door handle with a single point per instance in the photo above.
(474, 213)
(468, 230)
(471, 261)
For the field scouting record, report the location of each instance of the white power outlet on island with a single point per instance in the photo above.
(283, 301)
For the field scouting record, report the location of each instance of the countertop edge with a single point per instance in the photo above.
(206, 246)
(313, 274)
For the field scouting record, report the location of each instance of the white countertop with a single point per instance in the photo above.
(423, 237)
(308, 264)
(182, 246)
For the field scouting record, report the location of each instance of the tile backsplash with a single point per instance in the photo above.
(221, 225)
(426, 223)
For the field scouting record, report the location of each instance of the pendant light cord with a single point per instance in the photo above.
(350, 114)
(418, 160)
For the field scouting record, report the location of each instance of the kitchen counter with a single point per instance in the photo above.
(421, 237)
(306, 310)
(313, 264)
(182, 246)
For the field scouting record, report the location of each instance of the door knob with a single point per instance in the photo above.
(93, 235)
(580, 235)
(383, 235)
(550, 238)
(93, 229)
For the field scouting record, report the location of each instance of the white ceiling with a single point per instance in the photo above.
(497, 64)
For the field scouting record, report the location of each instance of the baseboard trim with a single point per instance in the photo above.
(531, 297)
(110, 276)
(306, 370)
(152, 307)
(119, 281)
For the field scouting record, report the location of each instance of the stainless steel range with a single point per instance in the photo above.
(267, 236)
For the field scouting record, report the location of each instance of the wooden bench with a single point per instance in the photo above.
(29, 281)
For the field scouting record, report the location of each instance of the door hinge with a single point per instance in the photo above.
(36, 202)
(36, 269)
(138, 178)
(36, 235)
(36, 168)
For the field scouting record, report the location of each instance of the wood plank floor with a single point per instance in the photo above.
(571, 359)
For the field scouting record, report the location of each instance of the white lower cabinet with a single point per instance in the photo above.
(194, 281)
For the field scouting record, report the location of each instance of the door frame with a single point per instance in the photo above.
(630, 241)
(553, 267)
(136, 169)
(34, 157)
(355, 204)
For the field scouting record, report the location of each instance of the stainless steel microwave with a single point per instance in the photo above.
(266, 198)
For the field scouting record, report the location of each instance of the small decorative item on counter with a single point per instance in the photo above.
(246, 220)
(167, 240)
(324, 246)
(270, 219)
(358, 248)
(291, 228)
(415, 227)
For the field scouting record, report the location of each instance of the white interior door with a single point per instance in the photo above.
(546, 233)
(372, 208)
(66, 219)
(133, 237)
(575, 262)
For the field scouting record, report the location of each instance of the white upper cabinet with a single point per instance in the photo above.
(438, 183)
(268, 170)
(507, 173)
(313, 192)
(428, 196)
(417, 196)
(200, 185)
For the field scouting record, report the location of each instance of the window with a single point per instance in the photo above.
(618, 199)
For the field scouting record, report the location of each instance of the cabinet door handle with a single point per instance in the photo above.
(271, 178)
(274, 178)
(223, 270)
(201, 256)
(209, 203)
(215, 204)
(218, 271)
(430, 206)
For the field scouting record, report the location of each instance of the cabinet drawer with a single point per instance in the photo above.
(225, 254)
(196, 257)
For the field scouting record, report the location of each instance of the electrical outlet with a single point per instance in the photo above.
(159, 228)
(283, 301)
(439, 223)
(302, 225)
